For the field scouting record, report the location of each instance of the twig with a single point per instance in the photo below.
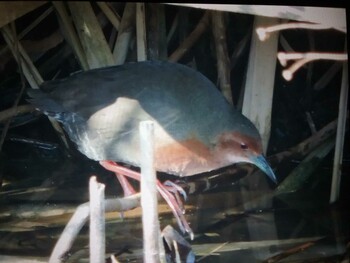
(307, 145)
(173, 28)
(141, 32)
(303, 58)
(311, 123)
(213, 251)
(71, 230)
(91, 35)
(71, 34)
(9, 113)
(31, 73)
(191, 39)
(241, 46)
(35, 22)
(97, 221)
(328, 76)
(15, 104)
(288, 73)
(264, 32)
(285, 45)
(223, 62)
(152, 240)
(339, 143)
(32, 76)
(178, 246)
(80, 217)
(310, 68)
(30, 27)
(127, 26)
(114, 259)
(112, 17)
(34, 46)
(294, 181)
(177, 254)
(289, 252)
(156, 32)
(284, 57)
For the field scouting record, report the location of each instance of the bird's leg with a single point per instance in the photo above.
(127, 187)
(163, 190)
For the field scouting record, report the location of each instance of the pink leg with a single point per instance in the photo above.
(164, 191)
(127, 187)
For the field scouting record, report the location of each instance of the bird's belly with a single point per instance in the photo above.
(185, 158)
(182, 158)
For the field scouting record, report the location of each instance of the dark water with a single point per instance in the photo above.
(234, 221)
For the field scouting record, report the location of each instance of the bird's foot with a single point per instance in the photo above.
(176, 190)
(172, 199)
(169, 191)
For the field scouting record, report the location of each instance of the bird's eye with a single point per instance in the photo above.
(244, 146)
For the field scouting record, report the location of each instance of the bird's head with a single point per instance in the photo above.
(236, 147)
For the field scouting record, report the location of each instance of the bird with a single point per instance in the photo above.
(196, 129)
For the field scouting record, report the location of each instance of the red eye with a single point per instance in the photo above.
(244, 146)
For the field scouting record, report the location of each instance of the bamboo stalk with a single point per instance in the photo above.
(69, 233)
(311, 123)
(30, 27)
(284, 57)
(303, 171)
(112, 17)
(127, 26)
(156, 35)
(264, 32)
(191, 39)
(77, 221)
(305, 146)
(15, 104)
(31, 73)
(141, 32)
(222, 58)
(36, 22)
(215, 248)
(173, 27)
(23, 259)
(259, 85)
(29, 64)
(339, 144)
(97, 221)
(239, 50)
(328, 76)
(153, 251)
(112, 38)
(30, 78)
(302, 58)
(9, 113)
(332, 17)
(289, 252)
(91, 36)
(71, 34)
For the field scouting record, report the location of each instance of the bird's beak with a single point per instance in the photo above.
(261, 162)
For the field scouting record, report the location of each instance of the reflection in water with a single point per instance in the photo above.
(239, 221)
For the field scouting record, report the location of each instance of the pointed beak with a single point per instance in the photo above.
(261, 162)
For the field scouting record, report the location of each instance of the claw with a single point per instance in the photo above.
(169, 191)
(173, 187)
(181, 221)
